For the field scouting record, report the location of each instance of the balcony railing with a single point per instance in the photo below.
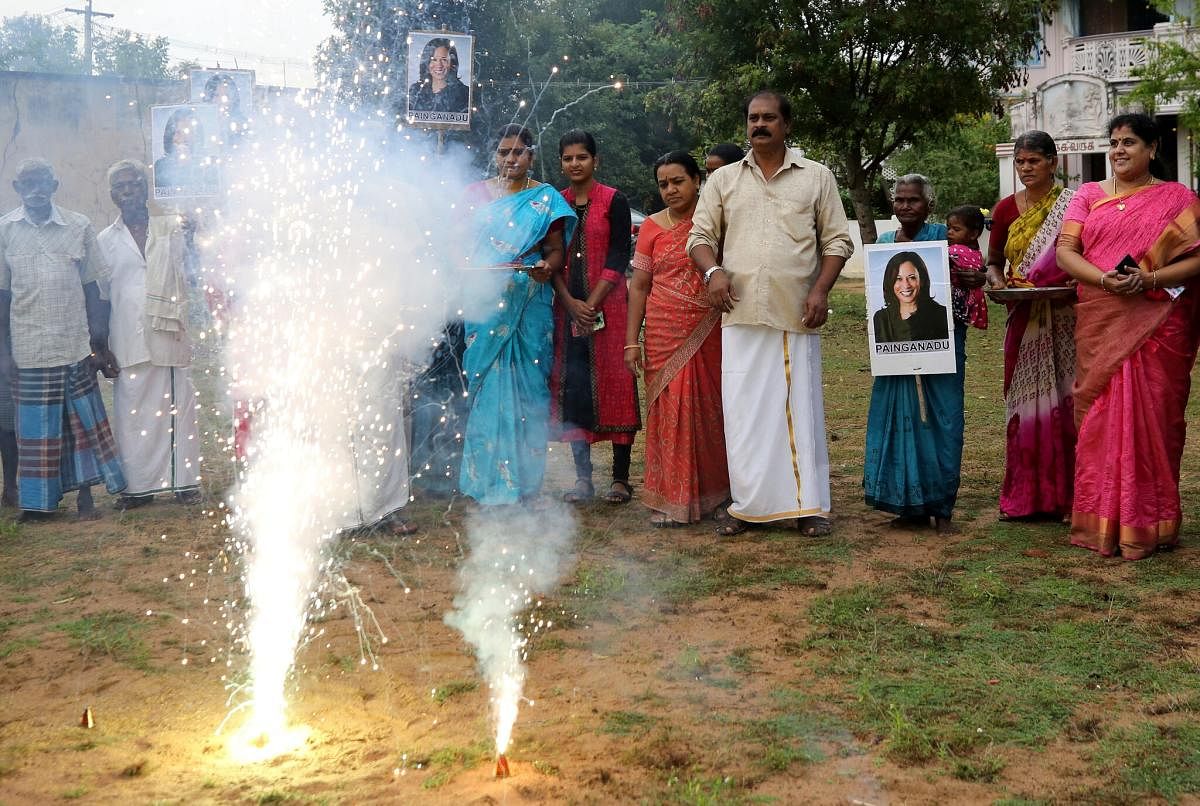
(1114, 57)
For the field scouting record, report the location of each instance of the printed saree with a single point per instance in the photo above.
(687, 475)
(509, 352)
(1039, 369)
(1133, 371)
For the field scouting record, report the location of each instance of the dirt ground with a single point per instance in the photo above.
(678, 671)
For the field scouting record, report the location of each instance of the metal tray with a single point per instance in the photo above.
(1026, 294)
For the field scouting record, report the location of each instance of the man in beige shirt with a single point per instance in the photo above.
(779, 223)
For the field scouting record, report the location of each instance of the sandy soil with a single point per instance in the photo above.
(381, 736)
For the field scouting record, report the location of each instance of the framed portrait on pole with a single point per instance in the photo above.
(232, 93)
(439, 79)
(184, 150)
(910, 323)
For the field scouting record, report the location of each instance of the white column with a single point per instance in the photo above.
(1008, 174)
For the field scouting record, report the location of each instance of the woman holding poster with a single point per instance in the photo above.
(1131, 241)
(915, 423)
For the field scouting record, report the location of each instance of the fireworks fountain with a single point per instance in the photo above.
(326, 244)
(331, 250)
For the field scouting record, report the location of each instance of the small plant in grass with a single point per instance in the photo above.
(453, 689)
(75, 793)
(545, 767)
(698, 791)
(982, 770)
(115, 634)
(17, 645)
(905, 742)
(740, 660)
(622, 723)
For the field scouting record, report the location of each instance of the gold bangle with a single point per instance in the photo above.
(633, 346)
(1102, 286)
(1153, 280)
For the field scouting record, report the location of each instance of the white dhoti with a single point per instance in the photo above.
(154, 423)
(380, 451)
(774, 423)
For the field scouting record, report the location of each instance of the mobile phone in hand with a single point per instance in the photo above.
(1127, 266)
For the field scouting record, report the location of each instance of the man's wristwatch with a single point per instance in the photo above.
(708, 274)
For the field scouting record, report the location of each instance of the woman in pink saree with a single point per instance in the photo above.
(1131, 242)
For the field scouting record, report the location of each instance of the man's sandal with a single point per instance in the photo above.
(732, 527)
(814, 526)
(583, 491)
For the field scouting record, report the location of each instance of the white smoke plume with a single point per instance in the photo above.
(516, 554)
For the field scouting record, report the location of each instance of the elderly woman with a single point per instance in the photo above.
(1039, 341)
(1131, 241)
(915, 423)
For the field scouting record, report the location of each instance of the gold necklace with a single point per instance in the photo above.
(671, 222)
(1121, 204)
(503, 189)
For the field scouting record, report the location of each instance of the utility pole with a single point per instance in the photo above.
(88, 14)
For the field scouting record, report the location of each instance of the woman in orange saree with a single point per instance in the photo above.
(686, 472)
(1131, 241)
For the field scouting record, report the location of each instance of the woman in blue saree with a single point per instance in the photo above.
(520, 224)
(913, 458)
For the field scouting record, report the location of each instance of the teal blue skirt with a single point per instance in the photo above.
(913, 459)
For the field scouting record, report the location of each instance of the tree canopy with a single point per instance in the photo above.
(552, 65)
(34, 43)
(866, 77)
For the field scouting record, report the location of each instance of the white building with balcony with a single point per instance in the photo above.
(1079, 81)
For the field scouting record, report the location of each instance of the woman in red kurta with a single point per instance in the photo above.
(686, 472)
(593, 398)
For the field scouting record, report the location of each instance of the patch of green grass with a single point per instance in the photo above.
(591, 595)
(1167, 577)
(623, 723)
(741, 660)
(17, 645)
(702, 791)
(1151, 761)
(75, 793)
(276, 796)
(686, 578)
(112, 633)
(453, 689)
(438, 779)
(447, 762)
(545, 767)
(985, 769)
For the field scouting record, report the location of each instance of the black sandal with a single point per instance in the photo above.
(616, 496)
(732, 527)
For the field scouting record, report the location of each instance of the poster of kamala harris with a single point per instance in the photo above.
(909, 324)
(439, 79)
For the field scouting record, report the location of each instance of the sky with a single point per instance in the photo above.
(276, 38)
